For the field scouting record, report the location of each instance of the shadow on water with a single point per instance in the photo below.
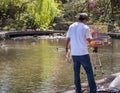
(35, 65)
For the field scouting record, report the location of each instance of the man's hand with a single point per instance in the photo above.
(68, 56)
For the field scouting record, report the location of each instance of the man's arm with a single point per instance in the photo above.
(67, 44)
(89, 40)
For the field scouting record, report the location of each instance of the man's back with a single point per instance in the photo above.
(78, 33)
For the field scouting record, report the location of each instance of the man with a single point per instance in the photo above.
(78, 36)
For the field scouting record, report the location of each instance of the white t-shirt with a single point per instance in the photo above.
(78, 33)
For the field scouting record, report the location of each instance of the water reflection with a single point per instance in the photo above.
(35, 65)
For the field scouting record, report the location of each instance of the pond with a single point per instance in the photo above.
(39, 66)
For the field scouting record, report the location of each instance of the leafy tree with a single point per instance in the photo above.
(44, 13)
(27, 13)
(100, 11)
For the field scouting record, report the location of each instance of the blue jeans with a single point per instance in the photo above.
(85, 62)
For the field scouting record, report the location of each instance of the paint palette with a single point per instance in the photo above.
(100, 36)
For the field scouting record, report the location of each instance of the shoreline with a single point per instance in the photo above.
(102, 85)
(11, 34)
(114, 35)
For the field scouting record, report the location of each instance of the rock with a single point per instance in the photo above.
(102, 85)
(115, 84)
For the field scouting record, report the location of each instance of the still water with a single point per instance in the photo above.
(39, 65)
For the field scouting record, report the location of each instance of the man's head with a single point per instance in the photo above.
(83, 17)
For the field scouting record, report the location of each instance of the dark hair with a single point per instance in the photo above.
(83, 16)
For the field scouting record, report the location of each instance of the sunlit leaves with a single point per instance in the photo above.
(42, 12)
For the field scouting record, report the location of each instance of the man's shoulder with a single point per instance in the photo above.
(74, 24)
(86, 26)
